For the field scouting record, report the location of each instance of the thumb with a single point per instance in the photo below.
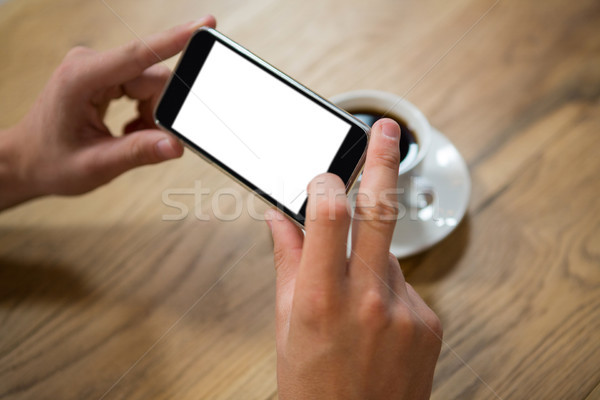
(115, 156)
(287, 249)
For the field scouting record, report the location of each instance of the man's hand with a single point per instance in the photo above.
(351, 329)
(62, 146)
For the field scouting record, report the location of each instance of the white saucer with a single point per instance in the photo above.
(447, 177)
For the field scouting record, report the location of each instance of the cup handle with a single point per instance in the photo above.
(417, 198)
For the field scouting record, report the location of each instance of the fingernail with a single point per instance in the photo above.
(165, 149)
(390, 130)
(201, 21)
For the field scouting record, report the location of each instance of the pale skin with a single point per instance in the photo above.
(351, 328)
(346, 328)
(62, 145)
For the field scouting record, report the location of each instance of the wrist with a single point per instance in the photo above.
(15, 187)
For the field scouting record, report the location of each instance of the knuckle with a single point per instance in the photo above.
(137, 154)
(64, 71)
(279, 256)
(378, 210)
(331, 208)
(136, 51)
(387, 157)
(421, 326)
(93, 169)
(433, 325)
(406, 323)
(374, 311)
(142, 54)
(78, 51)
(317, 307)
(394, 263)
(428, 319)
(70, 65)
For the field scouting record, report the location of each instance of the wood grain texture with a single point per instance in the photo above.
(102, 298)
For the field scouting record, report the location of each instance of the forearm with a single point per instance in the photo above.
(14, 185)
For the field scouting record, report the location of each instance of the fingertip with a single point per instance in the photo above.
(270, 215)
(327, 202)
(212, 21)
(207, 20)
(383, 151)
(168, 148)
(388, 128)
(278, 222)
(321, 181)
(178, 146)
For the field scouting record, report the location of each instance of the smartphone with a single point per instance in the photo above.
(257, 124)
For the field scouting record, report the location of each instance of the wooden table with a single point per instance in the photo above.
(103, 297)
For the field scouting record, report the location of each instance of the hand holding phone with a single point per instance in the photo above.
(62, 145)
(351, 328)
(258, 125)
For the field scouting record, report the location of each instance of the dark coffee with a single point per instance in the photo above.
(409, 147)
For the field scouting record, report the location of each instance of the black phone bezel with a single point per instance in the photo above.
(346, 160)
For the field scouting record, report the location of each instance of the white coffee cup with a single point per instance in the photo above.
(415, 189)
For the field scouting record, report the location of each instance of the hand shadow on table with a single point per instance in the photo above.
(433, 264)
(49, 303)
(39, 281)
(109, 326)
(35, 266)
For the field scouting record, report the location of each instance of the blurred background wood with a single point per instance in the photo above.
(101, 298)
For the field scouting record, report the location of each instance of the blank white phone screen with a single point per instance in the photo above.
(255, 124)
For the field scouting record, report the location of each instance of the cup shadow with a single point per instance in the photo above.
(433, 264)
